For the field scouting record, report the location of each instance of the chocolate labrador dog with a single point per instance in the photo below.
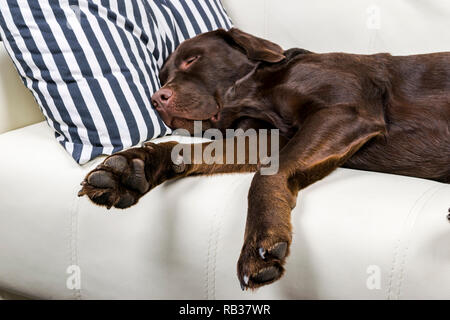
(371, 112)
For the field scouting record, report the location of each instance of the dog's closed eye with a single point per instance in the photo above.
(188, 62)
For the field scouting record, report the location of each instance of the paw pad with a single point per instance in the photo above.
(263, 266)
(101, 179)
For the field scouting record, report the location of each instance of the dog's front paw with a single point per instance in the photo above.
(262, 258)
(125, 177)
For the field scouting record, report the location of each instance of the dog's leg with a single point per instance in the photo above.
(123, 178)
(325, 141)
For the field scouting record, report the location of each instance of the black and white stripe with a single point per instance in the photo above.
(92, 65)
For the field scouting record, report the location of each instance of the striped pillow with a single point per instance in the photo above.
(93, 65)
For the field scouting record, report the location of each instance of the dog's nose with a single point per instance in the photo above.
(162, 98)
(162, 101)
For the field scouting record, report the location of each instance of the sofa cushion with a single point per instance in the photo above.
(357, 234)
(93, 67)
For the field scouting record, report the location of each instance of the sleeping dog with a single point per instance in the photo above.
(371, 112)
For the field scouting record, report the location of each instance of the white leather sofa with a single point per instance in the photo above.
(358, 235)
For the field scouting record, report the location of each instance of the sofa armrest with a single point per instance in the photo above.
(17, 105)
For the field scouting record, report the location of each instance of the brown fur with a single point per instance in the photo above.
(370, 112)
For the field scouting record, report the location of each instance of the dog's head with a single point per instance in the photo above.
(196, 76)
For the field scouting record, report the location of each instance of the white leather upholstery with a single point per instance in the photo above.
(355, 26)
(183, 239)
(17, 105)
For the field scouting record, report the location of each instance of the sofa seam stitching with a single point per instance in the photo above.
(74, 242)
(407, 242)
(214, 236)
(398, 247)
(211, 258)
(265, 19)
(208, 260)
(394, 262)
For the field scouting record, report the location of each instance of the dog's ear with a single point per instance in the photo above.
(256, 48)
